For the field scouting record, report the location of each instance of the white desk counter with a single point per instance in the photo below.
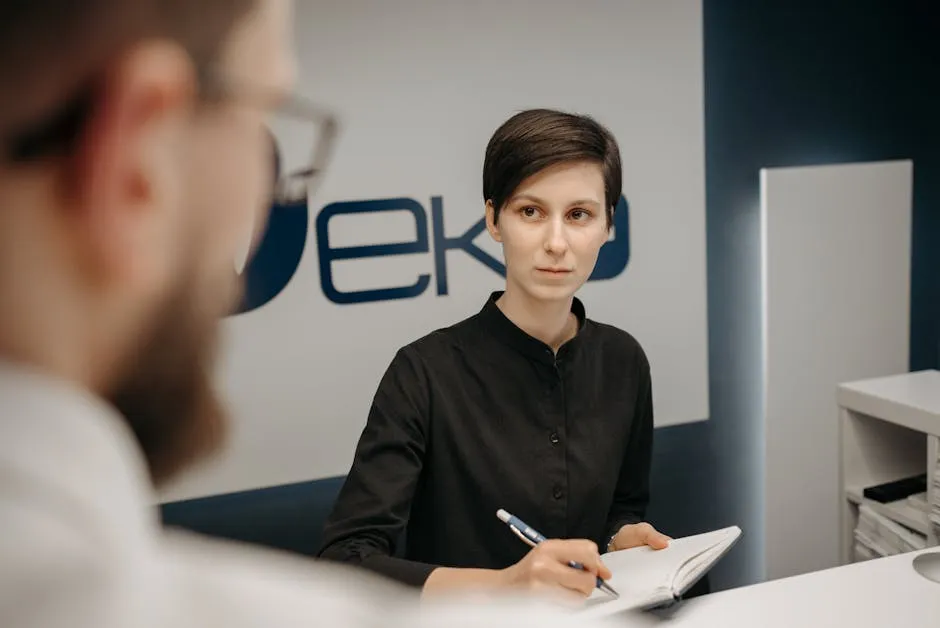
(886, 592)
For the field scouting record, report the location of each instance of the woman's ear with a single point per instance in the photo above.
(491, 224)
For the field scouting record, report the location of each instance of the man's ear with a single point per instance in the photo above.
(120, 182)
(491, 224)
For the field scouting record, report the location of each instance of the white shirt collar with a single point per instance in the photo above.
(59, 440)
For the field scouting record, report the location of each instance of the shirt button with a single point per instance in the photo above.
(554, 438)
(557, 493)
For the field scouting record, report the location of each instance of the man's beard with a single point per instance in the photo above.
(167, 394)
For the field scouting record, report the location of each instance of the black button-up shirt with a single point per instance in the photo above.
(481, 416)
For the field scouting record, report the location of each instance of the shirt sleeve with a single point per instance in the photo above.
(372, 510)
(632, 494)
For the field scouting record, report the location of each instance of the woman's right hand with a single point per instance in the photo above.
(545, 570)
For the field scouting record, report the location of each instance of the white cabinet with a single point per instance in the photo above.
(889, 430)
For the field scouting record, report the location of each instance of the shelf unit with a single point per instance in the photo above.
(889, 429)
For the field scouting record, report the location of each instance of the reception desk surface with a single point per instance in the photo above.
(882, 592)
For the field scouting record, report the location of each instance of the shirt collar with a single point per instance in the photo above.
(507, 332)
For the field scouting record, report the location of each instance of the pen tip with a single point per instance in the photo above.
(503, 515)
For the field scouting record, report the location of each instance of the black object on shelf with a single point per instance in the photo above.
(898, 489)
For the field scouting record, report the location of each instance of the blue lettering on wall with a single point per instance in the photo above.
(279, 253)
(327, 254)
(614, 255)
(442, 244)
(276, 258)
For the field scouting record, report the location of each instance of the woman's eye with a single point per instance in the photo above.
(579, 214)
(529, 212)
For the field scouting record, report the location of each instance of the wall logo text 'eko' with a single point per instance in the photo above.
(281, 248)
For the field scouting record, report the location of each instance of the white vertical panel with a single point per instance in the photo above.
(836, 259)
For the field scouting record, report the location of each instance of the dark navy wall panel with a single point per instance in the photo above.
(793, 82)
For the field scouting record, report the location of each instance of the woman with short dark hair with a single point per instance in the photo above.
(528, 405)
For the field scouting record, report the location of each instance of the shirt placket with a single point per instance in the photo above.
(556, 485)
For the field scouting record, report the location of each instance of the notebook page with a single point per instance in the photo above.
(644, 576)
(696, 565)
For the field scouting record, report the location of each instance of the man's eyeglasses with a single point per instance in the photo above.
(303, 139)
(303, 133)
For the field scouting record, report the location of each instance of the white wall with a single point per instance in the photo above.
(836, 308)
(421, 86)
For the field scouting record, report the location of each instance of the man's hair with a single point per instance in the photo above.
(52, 52)
(534, 140)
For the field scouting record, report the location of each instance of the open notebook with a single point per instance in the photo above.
(647, 578)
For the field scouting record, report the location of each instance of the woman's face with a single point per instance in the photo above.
(552, 229)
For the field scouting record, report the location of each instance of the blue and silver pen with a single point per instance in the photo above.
(533, 538)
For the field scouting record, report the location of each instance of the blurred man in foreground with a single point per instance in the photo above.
(133, 162)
